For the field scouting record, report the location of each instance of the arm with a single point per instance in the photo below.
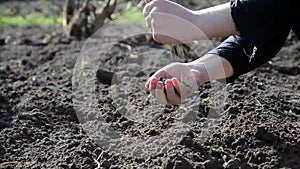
(182, 79)
(172, 23)
(215, 21)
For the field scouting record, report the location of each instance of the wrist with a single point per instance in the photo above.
(199, 71)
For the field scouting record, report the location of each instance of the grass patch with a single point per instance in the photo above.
(132, 15)
(31, 19)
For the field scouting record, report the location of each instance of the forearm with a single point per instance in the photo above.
(170, 22)
(215, 21)
(211, 67)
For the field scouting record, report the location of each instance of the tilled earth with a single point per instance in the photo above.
(39, 127)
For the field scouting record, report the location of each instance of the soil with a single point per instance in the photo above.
(44, 124)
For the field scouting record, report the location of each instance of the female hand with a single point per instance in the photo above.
(181, 80)
(170, 22)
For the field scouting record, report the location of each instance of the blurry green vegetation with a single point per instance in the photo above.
(131, 15)
(33, 18)
(215, 3)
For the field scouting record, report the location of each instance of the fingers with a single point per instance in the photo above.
(159, 94)
(173, 91)
(175, 83)
(148, 22)
(149, 14)
(146, 12)
(148, 7)
(172, 97)
(154, 78)
(183, 88)
(161, 74)
(151, 84)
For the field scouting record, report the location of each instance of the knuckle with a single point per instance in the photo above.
(145, 11)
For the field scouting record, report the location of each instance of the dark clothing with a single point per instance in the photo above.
(264, 26)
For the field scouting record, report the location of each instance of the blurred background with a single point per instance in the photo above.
(61, 13)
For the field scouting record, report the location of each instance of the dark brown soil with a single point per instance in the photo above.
(40, 122)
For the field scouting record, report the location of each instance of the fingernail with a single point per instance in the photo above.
(147, 85)
(168, 84)
(154, 80)
(175, 83)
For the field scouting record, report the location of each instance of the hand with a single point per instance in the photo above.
(170, 22)
(181, 80)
